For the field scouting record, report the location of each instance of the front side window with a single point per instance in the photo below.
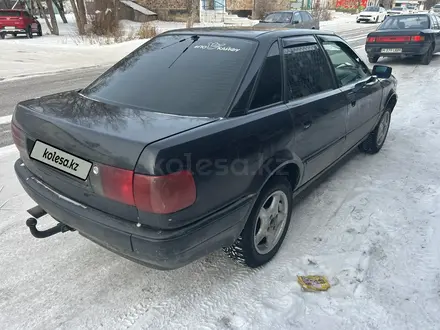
(177, 74)
(347, 65)
(269, 87)
(307, 71)
(306, 16)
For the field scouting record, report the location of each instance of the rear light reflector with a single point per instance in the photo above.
(371, 39)
(417, 38)
(394, 39)
(18, 137)
(154, 194)
(164, 194)
(117, 184)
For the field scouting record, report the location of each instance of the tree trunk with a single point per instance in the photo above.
(50, 27)
(81, 28)
(53, 18)
(60, 7)
(191, 6)
(82, 12)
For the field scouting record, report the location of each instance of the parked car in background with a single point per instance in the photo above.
(435, 9)
(372, 14)
(296, 19)
(164, 160)
(398, 11)
(405, 35)
(412, 9)
(18, 21)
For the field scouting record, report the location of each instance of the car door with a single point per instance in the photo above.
(383, 14)
(29, 21)
(297, 22)
(308, 22)
(315, 103)
(435, 26)
(362, 91)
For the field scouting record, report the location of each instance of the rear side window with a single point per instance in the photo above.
(270, 84)
(177, 74)
(307, 71)
(306, 16)
(12, 13)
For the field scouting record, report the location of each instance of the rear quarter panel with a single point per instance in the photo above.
(228, 158)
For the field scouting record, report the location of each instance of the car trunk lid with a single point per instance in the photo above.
(68, 127)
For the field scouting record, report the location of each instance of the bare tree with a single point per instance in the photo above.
(79, 10)
(191, 7)
(60, 6)
(53, 18)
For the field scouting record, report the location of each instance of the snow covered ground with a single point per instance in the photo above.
(22, 57)
(372, 227)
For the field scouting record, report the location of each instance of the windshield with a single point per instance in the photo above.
(397, 8)
(177, 74)
(12, 13)
(372, 9)
(405, 22)
(278, 18)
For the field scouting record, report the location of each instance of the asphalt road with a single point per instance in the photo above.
(14, 91)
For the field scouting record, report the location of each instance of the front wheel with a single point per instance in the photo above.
(40, 31)
(376, 139)
(266, 226)
(2, 35)
(29, 33)
(427, 57)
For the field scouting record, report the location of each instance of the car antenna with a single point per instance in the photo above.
(194, 39)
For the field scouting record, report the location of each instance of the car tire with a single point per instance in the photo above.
(40, 31)
(248, 249)
(427, 57)
(377, 137)
(2, 35)
(377, 19)
(29, 33)
(373, 59)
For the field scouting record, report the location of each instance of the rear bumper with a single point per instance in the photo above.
(158, 249)
(407, 49)
(16, 30)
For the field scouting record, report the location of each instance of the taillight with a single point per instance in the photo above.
(417, 38)
(116, 183)
(155, 194)
(164, 194)
(371, 39)
(18, 137)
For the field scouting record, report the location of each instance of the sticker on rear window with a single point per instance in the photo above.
(217, 46)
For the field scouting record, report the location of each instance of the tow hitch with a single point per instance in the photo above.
(36, 213)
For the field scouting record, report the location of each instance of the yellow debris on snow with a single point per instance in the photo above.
(313, 283)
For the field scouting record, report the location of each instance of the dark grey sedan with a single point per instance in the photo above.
(295, 19)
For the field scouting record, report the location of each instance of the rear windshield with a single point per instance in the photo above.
(177, 74)
(10, 13)
(405, 22)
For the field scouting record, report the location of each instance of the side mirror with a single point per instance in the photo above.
(382, 71)
(35, 17)
(295, 22)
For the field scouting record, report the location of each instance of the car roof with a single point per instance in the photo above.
(413, 14)
(12, 9)
(252, 32)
